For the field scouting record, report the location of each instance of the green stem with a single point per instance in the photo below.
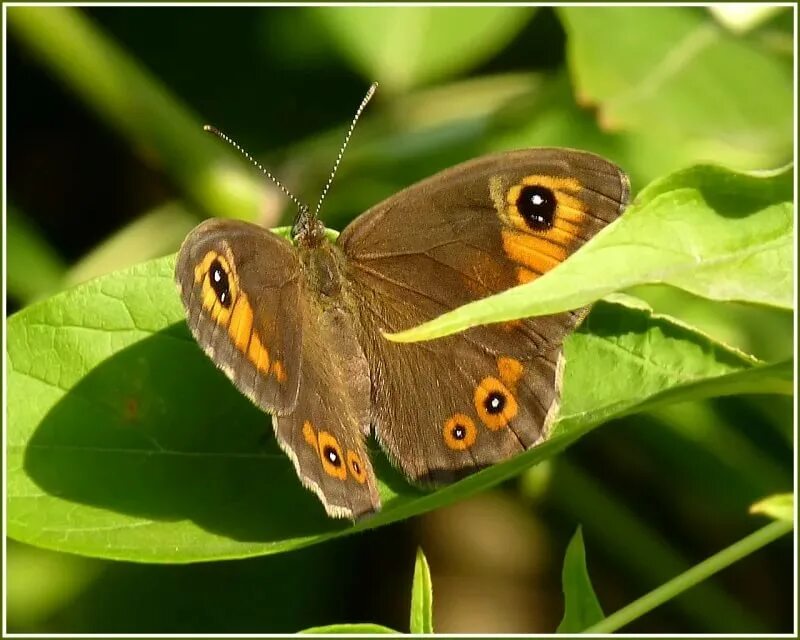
(690, 578)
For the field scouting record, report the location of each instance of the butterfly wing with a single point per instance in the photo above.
(447, 407)
(239, 285)
(250, 307)
(324, 435)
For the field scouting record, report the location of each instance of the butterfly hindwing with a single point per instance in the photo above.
(324, 435)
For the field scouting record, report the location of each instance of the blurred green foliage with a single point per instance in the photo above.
(108, 165)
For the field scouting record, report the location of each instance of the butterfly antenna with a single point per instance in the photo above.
(361, 107)
(255, 163)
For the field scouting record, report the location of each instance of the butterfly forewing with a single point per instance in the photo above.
(239, 284)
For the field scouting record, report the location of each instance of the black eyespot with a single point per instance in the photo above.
(459, 432)
(537, 205)
(356, 467)
(495, 402)
(219, 282)
(332, 456)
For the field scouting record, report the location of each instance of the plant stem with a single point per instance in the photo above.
(690, 578)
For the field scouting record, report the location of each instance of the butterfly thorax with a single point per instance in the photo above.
(323, 267)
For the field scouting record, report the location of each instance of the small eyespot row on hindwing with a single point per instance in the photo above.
(356, 467)
(494, 403)
(330, 455)
(459, 432)
(228, 306)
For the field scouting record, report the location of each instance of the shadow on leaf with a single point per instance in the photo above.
(158, 432)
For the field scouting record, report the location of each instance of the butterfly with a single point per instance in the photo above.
(298, 326)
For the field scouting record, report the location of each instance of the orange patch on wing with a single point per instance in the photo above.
(258, 354)
(278, 371)
(566, 235)
(510, 370)
(571, 209)
(553, 183)
(574, 230)
(309, 434)
(209, 298)
(240, 327)
(524, 276)
(219, 314)
(459, 432)
(490, 390)
(356, 467)
(527, 250)
(201, 269)
(511, 325)
(330, 453)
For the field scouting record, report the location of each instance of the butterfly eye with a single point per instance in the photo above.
(459, 432)
(219, 283)
(537, 205)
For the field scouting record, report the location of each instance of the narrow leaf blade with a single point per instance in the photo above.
(354, 628)
(421, 596)
(581, 607)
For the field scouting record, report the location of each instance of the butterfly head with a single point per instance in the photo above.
(308, 231)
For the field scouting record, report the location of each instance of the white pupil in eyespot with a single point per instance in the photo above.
(495, 403)
(217, 275)
(537, 199)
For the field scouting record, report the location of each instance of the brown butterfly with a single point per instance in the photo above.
(297, 326)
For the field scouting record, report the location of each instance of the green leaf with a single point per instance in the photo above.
(125, 442)
(350, 629)
(421, 597)
(581, 607)
(710, 231)
(393, 45)
(676, 73)
(778, 507)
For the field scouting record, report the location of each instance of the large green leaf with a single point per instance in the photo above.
(581, 607)
(675, 72)
(715, 233)
(124, 441)
(402, 47)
